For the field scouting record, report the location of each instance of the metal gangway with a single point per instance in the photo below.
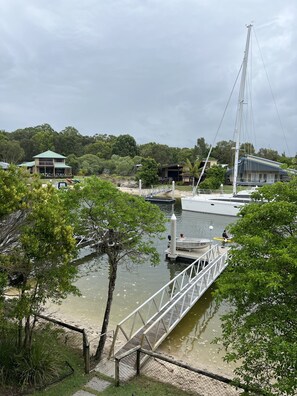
(152, 321)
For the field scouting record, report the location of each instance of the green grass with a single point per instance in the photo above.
(143, 386)
(71, 384)
(137, 386)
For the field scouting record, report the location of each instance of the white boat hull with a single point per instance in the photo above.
(192, 243)
(189, 244)
(219, 205)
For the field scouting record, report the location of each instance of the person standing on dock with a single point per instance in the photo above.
(225, 235)
(225, 238)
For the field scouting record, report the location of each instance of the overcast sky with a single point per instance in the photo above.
(159, 70)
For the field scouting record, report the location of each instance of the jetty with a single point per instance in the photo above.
(149, 324)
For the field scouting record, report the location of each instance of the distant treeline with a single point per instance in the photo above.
(93, 154)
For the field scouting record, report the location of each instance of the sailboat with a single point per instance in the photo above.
(226, 204)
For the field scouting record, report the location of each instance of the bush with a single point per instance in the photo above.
(36, 367)
(210, 183)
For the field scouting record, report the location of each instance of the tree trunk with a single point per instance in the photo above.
(27, 333)
(20, 333)
(111, 286)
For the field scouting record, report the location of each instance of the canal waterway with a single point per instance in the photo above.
(191, 340)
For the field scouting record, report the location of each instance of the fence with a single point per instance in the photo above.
(72, 339)
(164, 369)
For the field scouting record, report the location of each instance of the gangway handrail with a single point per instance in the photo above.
(178, 284)
(203, 274)
(205, 255)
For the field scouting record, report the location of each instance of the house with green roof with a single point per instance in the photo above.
(49, 164)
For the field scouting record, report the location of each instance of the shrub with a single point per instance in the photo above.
(210, 183)
(36, 367)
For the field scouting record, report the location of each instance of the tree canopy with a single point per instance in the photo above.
(124, 225)
(260, 332)
(148, 172)
(36, 247)
(23, 144)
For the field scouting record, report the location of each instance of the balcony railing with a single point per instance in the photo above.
(46, 163)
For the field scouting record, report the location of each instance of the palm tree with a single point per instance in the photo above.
(193, 170)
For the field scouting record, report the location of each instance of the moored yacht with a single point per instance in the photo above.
(225, 204)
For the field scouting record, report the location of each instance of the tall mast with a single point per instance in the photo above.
(238, 125)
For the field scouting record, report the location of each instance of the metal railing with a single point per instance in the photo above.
(165, 323)
(161, 300)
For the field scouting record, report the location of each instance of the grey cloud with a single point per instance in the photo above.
(159, 70)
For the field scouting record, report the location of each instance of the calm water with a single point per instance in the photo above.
(191, 340)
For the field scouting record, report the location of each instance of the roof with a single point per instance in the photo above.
(61, 166)
(49, 154)
(4, 165)
(28, 164)
(251, 163)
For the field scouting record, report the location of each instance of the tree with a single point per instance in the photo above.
(193, 170)
(148, 172)
(161, 153)
(201, 149)
(247, 148)
(73, 161)
(91, 164)
(125, 145)
(180, 155)
(268, 154)
(260, 331)
(69, 141)
(124, 225)
(11, 151)
(124, 165)
(37, 246)
(102, 149)
(45, 140)
(215, 176)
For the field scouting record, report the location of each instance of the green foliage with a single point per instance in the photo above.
(13, 190)
(215, 176)
(125, 146)
(23, 144)
(192, 169)
(260, 283)
(161, 153)
(201, 149)
(35, 367)
(91, 164)
(148, 172)
(102, 149)
(124, 225)
(224, 152)
(73, 161)
(142, 385)
(124, 166)
(37, 246)
(209, 183)
(268, 154)
(135, 222)
(217, 172)
(11, 151)
(45, 140)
